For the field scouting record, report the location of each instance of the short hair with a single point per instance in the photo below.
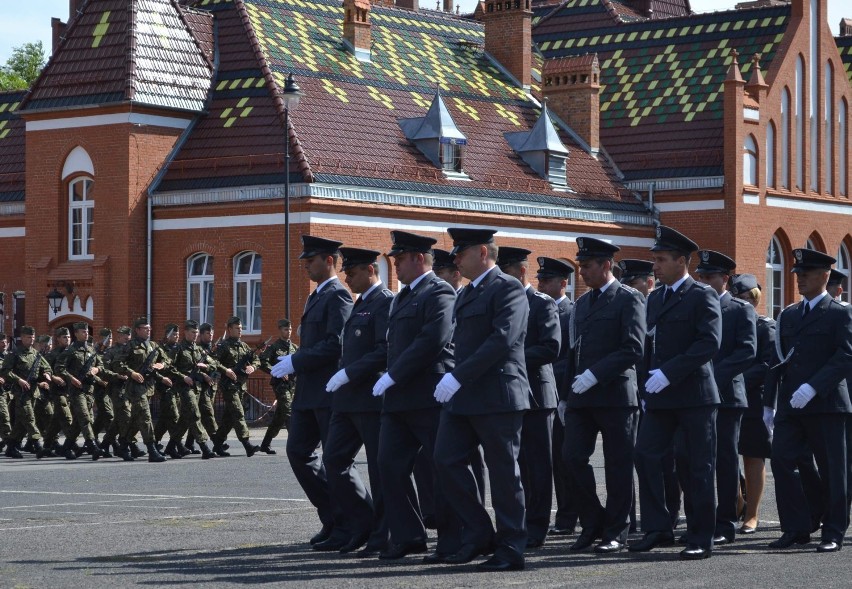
(492, 250)
(428, 259)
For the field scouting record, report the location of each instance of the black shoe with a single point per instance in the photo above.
(370, 550)
(397, 551)
(499, 564)
(267, 450)
(829, 546)
(557, 531)
(104, 446)
(535, 542)
(694, 552)
(586, 539)
(251, 449)
(12, 451)
(29, 446)
(219, 449)
(153, 454)
(171, 451)
(321, 536)
(190, 446)
(652, 540)
(330, 545)
(93, 448)
(435, 558)
(722, 539)
(225, 446)
(609, 546)
(466, 554)
(356, 542)
(183, 450)
(124, 452)
(206, 452)
(135, 451)
(787, 539)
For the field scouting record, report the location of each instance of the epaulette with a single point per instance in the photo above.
(701, 284)
(841, 303)
(762, 319)
(739, 301)
(629, 289)
(545, 296)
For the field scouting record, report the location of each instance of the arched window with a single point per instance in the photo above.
(770, 154)
(843, 265)
(785, 139)
(774, 278)
(799, 132)
(843, 130)
(199, 288)
(750, 161)
(247, 296)
(571, 286)
(81, 216)
(828, 135)
(384, 273)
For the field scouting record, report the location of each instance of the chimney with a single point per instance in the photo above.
(58, 28)
(846, 27)
(356, 27)
(572, 86)
(408, 4)
(508, 36)
(384, 3)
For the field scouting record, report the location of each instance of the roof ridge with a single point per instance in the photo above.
(130, 51)
(181, 14)
(292, 138)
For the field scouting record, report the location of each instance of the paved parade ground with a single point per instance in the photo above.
(233, 522)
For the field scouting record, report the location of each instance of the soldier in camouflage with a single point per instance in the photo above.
(5, 419)
(115, 390)
(190, 373)
(283, 387)
(62, 420)
(168, 419)
(43, 401)
(104, 413)
(207, 392)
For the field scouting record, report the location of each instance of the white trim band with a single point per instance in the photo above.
(123, 118)
(13, 231)
(808, 206)
(751, 198)
(690, 205)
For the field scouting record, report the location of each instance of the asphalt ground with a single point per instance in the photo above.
(233, 522)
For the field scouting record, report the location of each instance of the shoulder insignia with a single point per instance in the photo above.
(544, 296)
(629, 289)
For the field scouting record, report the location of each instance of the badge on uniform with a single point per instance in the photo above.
(357, 333)
(705, 256)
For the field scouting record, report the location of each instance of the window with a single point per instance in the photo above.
(842, 128)
(843, 266)
(199, 288)
(828, 136)
(81, 215)
(770, 154)
(384, 270)
(247, 298)
(750, 161)
(450, 157)
(799, 132)
(571, 286)
(785, 139)
(774, 278)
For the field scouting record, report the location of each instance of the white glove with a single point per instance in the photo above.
(338, 380)
(583, 382)
(643, 405)
(802, 396)
(383, 384)
(284, 367)
(769, 419)
(657, 382)
(447, 387)
(560, 411)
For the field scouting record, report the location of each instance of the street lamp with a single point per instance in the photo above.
(55, 299)
(291, 95)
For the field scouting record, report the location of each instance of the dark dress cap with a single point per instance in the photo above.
(353, 256)
(807, 259)
(314, 246)
(410, 242)
(667, 239)
(61, 331)
(712, 262)
(28, 330)
(80, 325)
(190, 324)
(465, 238)
(553, 268)
(836, 277)
(125, 330)
(742, 283)
(443, 259)
(632, 269)
(589, 248)
(105, 332)
(507, 256)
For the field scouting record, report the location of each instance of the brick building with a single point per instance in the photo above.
(144, 172)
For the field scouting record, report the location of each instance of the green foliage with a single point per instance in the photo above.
(23, 67)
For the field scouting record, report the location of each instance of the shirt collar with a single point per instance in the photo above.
(604, 288)
(322, 284)
(678, 284)
(416, 281)
(815, 301)
(365, 294)
(474, 283)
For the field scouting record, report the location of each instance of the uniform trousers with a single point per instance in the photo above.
(62, 421)
(104, 411)
(78, 401)
(44, 413)
(120, 413)
(653, 444)
(190, 418)
(536, 462)
(168, 419)
(281, 418)
(5, 418)
(208, 410)
(25, 420)
(233, 416)
(140, 419)
(566, 508)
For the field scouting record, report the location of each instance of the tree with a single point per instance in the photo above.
(22, 69)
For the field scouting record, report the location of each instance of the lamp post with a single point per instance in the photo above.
(55, 299)
(291, 95)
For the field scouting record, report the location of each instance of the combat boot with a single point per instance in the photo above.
(190, 445)
(136, 452)
(93, 449)
(265, 445)
(153, 454)
(184, 451)
(41, 451)
(206, 452)
(67, 452)
(104, 446)
(250, 448)
(29, 446)
(12, 450)
(219, 449)
(172, 451)
(124, 452)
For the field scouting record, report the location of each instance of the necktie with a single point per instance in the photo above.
(806, 309)
(403, 293)
(595, 295)
(668, 294)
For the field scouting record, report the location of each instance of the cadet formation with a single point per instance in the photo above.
(468, 374)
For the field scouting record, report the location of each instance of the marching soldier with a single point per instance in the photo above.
(190, 371)
(807, 400)
(168, 419)
(43, 404)
(283, 387)
(485, 397)
(607, 333)
(325, 314)
(5, 387)
(238, 361)
(356, 413)
(24, 369)
(104, 412)
(144, 363)
(541, 348)
(115, 390)
(63, 420)
(553, 281)
(208, 391)
(685, 327)
(737, 352)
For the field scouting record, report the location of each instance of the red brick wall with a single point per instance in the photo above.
(508, 37)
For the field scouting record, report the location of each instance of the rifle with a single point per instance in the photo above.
(244, 362)
(32, 374)
(145, 370)
(83, 376)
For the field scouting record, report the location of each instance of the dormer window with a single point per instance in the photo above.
(438, 138)
(542, 150)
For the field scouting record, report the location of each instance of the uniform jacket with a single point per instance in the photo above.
(185, 363)
(133, 358)
(491, 326)
(420, 352)
(320, 333)
(822, 357)
(365, 353)
(269, 358)
(73, 361)
(609, 342)
(737, 351)
(541, 349)
(233, 353)
(19, 364)
(560, 366)
(685, 335)
(755, 375)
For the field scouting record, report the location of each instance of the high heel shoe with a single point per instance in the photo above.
(746, 530)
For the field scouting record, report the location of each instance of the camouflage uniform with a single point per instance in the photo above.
(77, 361)
(236, 355)
(118, 402)
(62, 420)
(186, 360)
(168, 418)
(5, 418)
(104, 412)
(283, 387)
(24, 364)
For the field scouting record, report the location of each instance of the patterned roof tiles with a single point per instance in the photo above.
(844, 45)
(12, 154)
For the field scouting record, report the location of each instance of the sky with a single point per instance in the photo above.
(29, 21)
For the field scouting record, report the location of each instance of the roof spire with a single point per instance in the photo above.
(756, 79)
(734, 71)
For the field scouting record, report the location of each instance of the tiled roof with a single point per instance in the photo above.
(140, 51)
(12, 155)
(411, 53)
(662, 80)
(844, 45)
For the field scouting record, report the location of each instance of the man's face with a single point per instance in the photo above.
(515, 270)
(190, 334)
(747, 297)
(834, 291)
(357, 278)
(285, 332)
(316, 268)
(4, 344)
(470, 261)
(811, 281)
(407, 266)
(143, 331)
(62, 341)
(173, 336)
(552, 286)
(235, 330)
(716, 280)
(450, 275)
(207, 337)
(27, 340)
(121, 338)
(642, 284)
(81, 335)
(594, 272)
(668, 266)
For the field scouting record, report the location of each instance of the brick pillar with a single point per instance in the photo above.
(572, 87)
(508, 36)
(356, 24)
(58, 29)
(408, 4)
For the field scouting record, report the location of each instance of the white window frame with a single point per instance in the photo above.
(785, 139)
(828, 135)
(774, 278)
(203, 284)
(86, 210)
(451, 157)
(249, 314)
(750, 161)
(571, 286)
(843, 265)
(843, 132)
(770, 154)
